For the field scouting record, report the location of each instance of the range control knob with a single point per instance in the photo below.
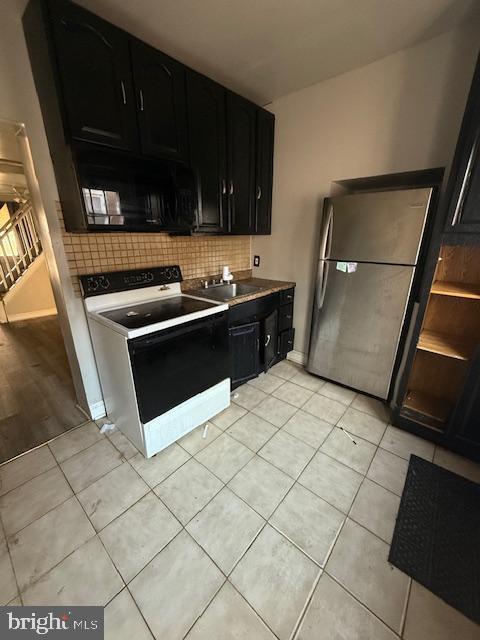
(176, 273)
(168, 273)
(92, 283)
(103, 282)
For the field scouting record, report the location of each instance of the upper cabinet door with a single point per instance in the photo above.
(161, 100)
(206, 119)
(241, 124)
(464, 205)
(95, 74)
(264, 171)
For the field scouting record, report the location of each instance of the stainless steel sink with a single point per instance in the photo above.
(226, 292)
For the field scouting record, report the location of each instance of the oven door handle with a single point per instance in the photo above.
(136, 345)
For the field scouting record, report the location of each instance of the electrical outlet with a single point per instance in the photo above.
(256, 261)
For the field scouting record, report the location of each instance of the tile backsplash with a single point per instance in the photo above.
(198, 256)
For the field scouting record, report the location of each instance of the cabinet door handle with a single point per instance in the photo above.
(142, 105)
(268, 340)
(259, 192)
(124, 94)
(224, 187)
(231, 188)
(466, 177)
(289, 317)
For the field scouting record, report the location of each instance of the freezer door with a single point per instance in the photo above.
(382, 227)
(356, 325)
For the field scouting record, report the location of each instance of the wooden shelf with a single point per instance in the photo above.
(456, 289)
(427, 405)
(444, 345)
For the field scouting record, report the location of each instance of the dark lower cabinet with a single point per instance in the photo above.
(244, 352)
(95, 74)
(264, 171)
(208, 150)
(270, 339)
(257, 339)
(241, 122)
(161, 100)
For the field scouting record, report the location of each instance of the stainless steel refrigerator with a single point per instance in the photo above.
(369, 248)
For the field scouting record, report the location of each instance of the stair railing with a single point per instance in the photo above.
(19, 246)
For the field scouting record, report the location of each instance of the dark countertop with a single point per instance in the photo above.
(267, 287)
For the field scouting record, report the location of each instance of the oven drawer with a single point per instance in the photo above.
(175, 364)
(285, 317)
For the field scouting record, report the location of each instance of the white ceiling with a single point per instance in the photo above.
(267, 48)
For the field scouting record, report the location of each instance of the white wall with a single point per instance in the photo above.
(32, 295)
(400, 113)
(19, 102)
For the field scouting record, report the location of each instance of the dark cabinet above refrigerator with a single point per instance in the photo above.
(100, 87)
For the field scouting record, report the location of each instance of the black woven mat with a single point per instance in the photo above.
(437, 535)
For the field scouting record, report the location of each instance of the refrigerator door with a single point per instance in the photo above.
(357, 321)
(382, 227)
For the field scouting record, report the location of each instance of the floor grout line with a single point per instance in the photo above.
(43, 444)
(266, 521)
(405, 608)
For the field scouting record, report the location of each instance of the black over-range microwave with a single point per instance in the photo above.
(122, 192)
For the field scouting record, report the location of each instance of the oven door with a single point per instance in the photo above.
(175, 364)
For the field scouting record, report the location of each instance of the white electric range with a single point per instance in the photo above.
(162, 356)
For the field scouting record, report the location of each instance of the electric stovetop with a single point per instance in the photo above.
(141, 315)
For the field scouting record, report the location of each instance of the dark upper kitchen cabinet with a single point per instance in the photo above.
(94, 71)
(264, 171)
(463, 214)
(139, 142)
(208, 150)
(241, 124)
(161, 102)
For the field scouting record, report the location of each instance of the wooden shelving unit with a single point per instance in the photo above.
(450, 332)
(456, 289)
(444, 345)
(427, 405)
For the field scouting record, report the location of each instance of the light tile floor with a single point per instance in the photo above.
(273, 526)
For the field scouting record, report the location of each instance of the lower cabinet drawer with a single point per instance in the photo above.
(286, 341)
(285, 317)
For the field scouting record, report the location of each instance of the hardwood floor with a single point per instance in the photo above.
(37, 397)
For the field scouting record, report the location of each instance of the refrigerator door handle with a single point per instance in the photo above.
(322, 276)
(327, 228)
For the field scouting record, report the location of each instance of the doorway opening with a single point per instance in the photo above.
(37, 394)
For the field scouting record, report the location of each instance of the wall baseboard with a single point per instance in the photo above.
(30, 315)
(297, 356)
(97, 410)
